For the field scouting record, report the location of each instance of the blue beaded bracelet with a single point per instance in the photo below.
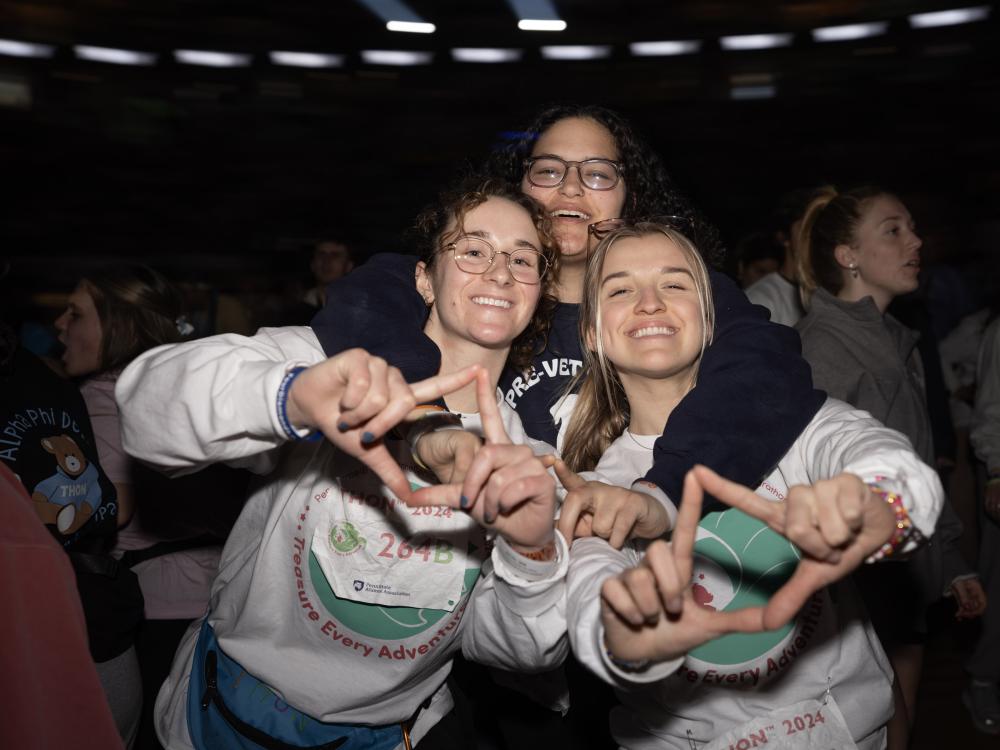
(282, 406)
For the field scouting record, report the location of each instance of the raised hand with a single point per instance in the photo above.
(836, 523)
(593, 508)
(354, 398)
(649, 612)
(506, 486)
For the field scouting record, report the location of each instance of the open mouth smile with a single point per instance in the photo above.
(493, 302)
(659, 330)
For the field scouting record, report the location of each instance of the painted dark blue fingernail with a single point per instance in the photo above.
(463, 502)
(343, 426)
(367, 438)
(488, 518)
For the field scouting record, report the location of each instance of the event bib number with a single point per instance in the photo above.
(809, 725)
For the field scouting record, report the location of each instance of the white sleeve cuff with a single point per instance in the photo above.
(648, 488)
(517, 585)
(654, 672)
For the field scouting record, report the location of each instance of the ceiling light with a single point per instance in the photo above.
(412, 27)
(14, 48)
(659, 49)
(575, 52)
(306, 59)
(755, 41)
(395, 57)
(114, 56)
(485, 55)
(211, 59)
(743, 93)
(849, 31)
(398, 16)
(949, 17)
(538, 24)
(536, 15)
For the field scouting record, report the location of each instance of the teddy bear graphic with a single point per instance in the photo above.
(68, 498)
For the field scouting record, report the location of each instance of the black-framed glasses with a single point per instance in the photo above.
(551, 171)
(601, 229)
(476, 255)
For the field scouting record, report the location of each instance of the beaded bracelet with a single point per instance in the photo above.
(282, 407)
(993, 477)
(904, 526)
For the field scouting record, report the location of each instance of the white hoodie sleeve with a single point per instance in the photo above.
(842, 439)
(593, 561)
(184, 406)
(517, 617)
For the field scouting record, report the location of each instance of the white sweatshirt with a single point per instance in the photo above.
(320, 522)
(725, 683)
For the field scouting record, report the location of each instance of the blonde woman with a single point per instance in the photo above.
(670, 624)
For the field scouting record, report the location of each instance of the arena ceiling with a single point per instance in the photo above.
(221, 168)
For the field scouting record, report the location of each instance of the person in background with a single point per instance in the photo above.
(331, 260)
(982, 695)
(757, 255)
(44, 635)
(49, 445)
(779, 291)
(171, 535)
(859, 252)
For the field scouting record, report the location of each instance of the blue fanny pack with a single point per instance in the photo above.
(230, 709)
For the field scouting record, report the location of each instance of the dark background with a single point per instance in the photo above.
(220, 171)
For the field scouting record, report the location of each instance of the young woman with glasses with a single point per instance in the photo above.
(586, 165)
(739, 631)
(338, 607)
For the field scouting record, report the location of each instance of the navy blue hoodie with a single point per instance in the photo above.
(754, 394)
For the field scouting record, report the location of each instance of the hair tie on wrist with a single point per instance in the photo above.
(432, 418)
(628, 666)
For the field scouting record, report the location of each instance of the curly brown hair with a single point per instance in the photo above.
(650, 191)
(443, 221)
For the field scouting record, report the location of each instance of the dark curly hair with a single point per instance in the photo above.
(649, 190)
(443, 221)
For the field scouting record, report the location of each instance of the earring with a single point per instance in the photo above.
(854, 270)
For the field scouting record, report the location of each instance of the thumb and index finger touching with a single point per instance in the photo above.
(376, 456)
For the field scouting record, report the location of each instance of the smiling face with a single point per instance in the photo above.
(489, 309)
(80, 332)
(886, 252)
(650, 314)
(572, 205)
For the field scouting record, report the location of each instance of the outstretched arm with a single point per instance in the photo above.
(377, 307)
(754, 396)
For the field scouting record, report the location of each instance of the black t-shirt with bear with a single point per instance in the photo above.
(47, 440)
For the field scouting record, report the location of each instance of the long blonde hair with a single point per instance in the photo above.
(601, 412)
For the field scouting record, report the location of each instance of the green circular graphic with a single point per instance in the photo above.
(374, 620)
(742, 563)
